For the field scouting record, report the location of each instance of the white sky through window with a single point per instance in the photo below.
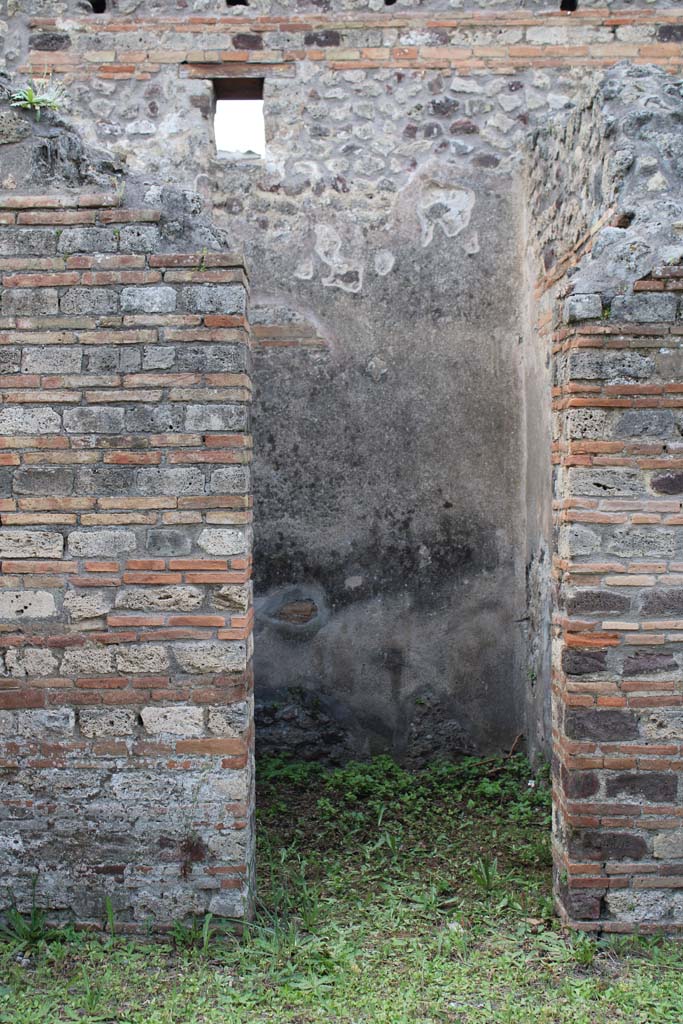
(239, 127)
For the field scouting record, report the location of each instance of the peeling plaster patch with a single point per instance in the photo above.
(328, 245)
(657, 182)
(353, 582)
(449, 207)
(376, 368)
(307, 169)
(347, 276)
(471, 246)
(304, 270)
(384, 262)
(141, 127)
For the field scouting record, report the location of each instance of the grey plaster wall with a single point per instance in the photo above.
(389, 483)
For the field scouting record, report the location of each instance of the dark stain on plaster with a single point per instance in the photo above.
(193, 850)
(394, 558)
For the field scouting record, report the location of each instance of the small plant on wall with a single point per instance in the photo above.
(37, 95)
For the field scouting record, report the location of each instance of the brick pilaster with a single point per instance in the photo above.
(618, 647)
(126, 735)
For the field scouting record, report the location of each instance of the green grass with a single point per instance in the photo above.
(385, 897)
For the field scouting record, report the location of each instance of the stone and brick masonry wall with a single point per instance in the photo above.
(125, 605)
(458, 89)
(392, 132)
(619, 630)
(615, 330)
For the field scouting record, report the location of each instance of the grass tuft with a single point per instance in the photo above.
(386, 896)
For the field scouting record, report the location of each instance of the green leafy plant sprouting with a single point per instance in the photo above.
(198, 934)
(111, 918)
(26, 931)
(37, 95)
(485, 873)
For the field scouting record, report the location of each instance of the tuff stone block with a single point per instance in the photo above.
(662, 601)
(638, 907)
(173, 480)
(599, 602)
(669, 845)
(30, 544)
(94, 419)
(157, 299)
(212, 298)
(230, 480)
(106, 359)
(31, 661)
(30, 302)
(27, 604)
(602, 845)
(210, 358)
(51, 722)
(232, 720)
(171, 598)
(24, 241)
(94, 240)
(610, 366)
(579, 663)
(30, 421)
(87, 661)
(96, 722)
(223, 541)
(644, 308)
(215, 417)
(97, 543)
(41, 480)
(649, 662)
(583, 307)
(592, 724)
(652, 787)
(580, 785)
(158, 420)
(208, 657)
(105, 480)
(173, 721)
(142, 659)
(115, 643)
(234, 597)
(663, 725)
(599, 482)
(89, 605)
(140, 238)
(667, 483)
(88, 301)
(52, 359)
(168, 542)
(646, 423)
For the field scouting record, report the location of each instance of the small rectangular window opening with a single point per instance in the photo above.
(238, 123)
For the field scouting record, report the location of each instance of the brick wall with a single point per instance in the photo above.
(499, 41)
(618, 634)
(614, 329)
(125, 605)
(383, 114)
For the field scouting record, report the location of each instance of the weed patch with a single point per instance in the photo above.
(386, 896)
